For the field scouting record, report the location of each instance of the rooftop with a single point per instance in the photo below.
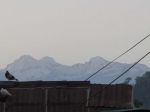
(62, 96)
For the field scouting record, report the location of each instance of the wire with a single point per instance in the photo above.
(118, 57)
(106, 65)
(110, 62)
(109, 83)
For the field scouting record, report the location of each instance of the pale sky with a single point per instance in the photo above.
(73, 31)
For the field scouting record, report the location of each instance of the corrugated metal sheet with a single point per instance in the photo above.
(66, 84)
(7, 84)
(1, 107)
(34, 100)
(130, 110)
(98, 109)
(118, 96)
(25, 100)
(55, 84)
(53, 96)
(63, 100)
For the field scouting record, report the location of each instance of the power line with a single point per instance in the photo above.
(111, 61)
(109, 83)
(118, 57)
(105, 66)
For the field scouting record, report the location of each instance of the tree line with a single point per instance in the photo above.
(141, 93)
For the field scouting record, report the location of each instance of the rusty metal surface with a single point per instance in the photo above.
(99, 109)
(63, 100)
(7, 84)
(27, 98)
(66, 84)
(55, 84)
(23, 100)
(1, 107)
(118, 96)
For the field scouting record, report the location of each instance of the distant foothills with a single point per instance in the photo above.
(27, 68)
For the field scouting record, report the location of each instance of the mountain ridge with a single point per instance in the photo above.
(27, 68)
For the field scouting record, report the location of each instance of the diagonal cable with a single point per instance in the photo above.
(108, 84)
(104, 66)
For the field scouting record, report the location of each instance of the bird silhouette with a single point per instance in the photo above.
(5, 92)
(10, 76)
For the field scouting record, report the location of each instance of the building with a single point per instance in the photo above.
(63, 96)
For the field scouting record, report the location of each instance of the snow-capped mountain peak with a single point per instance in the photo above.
(98, 59)
(48, 60)
(26, 58)
(29, 68)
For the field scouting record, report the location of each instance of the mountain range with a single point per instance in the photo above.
(27, 68)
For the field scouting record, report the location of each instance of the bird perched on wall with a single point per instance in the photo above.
(10, 76)
(5, 92)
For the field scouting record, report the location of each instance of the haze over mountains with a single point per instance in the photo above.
(27, 68)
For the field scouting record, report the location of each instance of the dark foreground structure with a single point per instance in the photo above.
(63, 96)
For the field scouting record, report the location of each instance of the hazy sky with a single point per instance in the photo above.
(73, 31)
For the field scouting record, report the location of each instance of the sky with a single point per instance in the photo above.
(74, 31)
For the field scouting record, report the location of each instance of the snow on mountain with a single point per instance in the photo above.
(26, 68)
